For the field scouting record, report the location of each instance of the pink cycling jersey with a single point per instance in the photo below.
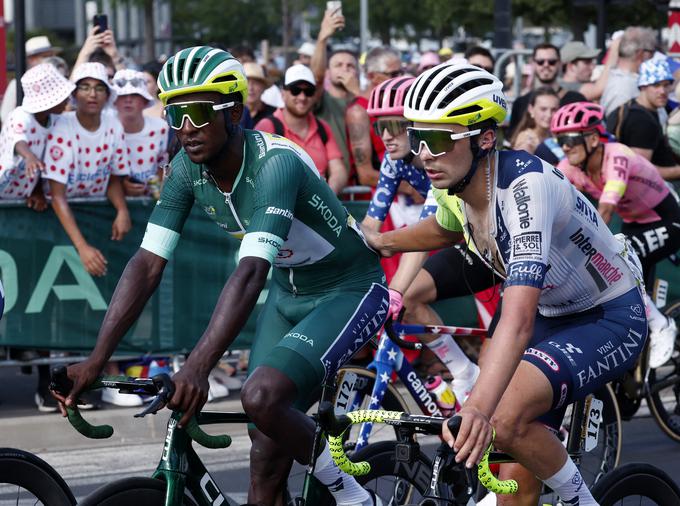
(629, 181)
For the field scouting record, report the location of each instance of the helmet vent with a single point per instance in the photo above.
(463, 88)
(223, 79)
(464, 110)
(192, 67)
(435, 72)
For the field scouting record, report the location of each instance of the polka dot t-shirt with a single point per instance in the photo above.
(148, 149)
(20, 126)
(84, 160)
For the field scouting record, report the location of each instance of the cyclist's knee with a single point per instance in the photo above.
(511, 429)
(264, 394)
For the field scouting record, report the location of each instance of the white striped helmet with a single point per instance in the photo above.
(456, 93)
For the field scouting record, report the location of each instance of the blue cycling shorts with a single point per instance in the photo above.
(579, 353)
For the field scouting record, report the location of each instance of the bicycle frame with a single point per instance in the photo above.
(181, 468)
(388, 360)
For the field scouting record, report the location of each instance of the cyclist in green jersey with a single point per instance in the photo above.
(328, 294)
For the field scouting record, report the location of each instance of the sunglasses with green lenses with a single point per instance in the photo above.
(199, 113)
(394, 127)
(438, 141)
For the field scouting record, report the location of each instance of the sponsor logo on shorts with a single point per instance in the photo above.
(550, 362)
(301, 337)
(527, 244)
(567, 350)
(612, 357)
(563, 395)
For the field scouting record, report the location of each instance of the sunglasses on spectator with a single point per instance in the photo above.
(394, 127)
(437, 141)
(99, 89)
(135, 81)
(570, 140)
(199, 113)
(552, 62)
(309, 91)
(394, 73)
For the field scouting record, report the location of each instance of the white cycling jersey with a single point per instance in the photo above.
(549, 236)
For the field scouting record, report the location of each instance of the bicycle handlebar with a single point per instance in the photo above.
(160, 385)
(335, 426)
(397, 339)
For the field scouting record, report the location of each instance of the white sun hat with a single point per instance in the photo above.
(131, 82)
(44, 87)
(94, 70)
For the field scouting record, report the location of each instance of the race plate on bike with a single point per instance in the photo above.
(593, 421)
(345, 393)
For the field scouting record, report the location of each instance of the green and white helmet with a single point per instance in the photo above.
(201, 68)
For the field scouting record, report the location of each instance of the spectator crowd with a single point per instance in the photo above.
(96, 130)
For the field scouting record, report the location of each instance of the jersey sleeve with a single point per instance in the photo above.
(616, 171)
(18, 123)
(278, 184)
(528, 215)
(385, 190)
(59, 161)
(171, 211)
(446, 215)
(430, 205)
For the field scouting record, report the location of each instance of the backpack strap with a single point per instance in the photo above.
(322, 130)
(278, 124)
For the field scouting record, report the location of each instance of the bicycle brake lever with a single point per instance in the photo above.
(165, 390)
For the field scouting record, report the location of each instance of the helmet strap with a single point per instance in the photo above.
(477, 154)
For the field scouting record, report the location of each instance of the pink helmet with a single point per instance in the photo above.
(578, 117)
(387, 99)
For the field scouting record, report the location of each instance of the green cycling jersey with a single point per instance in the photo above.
(279, 207)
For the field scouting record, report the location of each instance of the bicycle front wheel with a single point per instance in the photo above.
(663, 387)
(26, 479)
(640, 484)
(131, 492)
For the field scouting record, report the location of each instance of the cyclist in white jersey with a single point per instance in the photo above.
(571, 287)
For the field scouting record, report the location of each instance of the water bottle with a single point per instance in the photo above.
(442, 393)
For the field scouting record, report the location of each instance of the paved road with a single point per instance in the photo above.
(135, 448)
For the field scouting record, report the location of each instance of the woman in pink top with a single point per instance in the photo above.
(629, 184)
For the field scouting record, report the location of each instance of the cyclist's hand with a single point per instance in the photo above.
(93, 260)
(396, 304)
(191, 393)
(473, 438)
(374, 240)
(82, 374)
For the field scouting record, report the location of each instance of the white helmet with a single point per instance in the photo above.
(456, 93)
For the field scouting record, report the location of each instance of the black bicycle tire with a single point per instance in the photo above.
(21, 468)
(135, 491)
(382, 458)
(656, 406)
(393, 400)
(629, 479)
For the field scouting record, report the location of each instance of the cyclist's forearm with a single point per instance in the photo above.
(510, 339)
(236, 302)
(426, 235)
(136, 286)
(409, 266)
